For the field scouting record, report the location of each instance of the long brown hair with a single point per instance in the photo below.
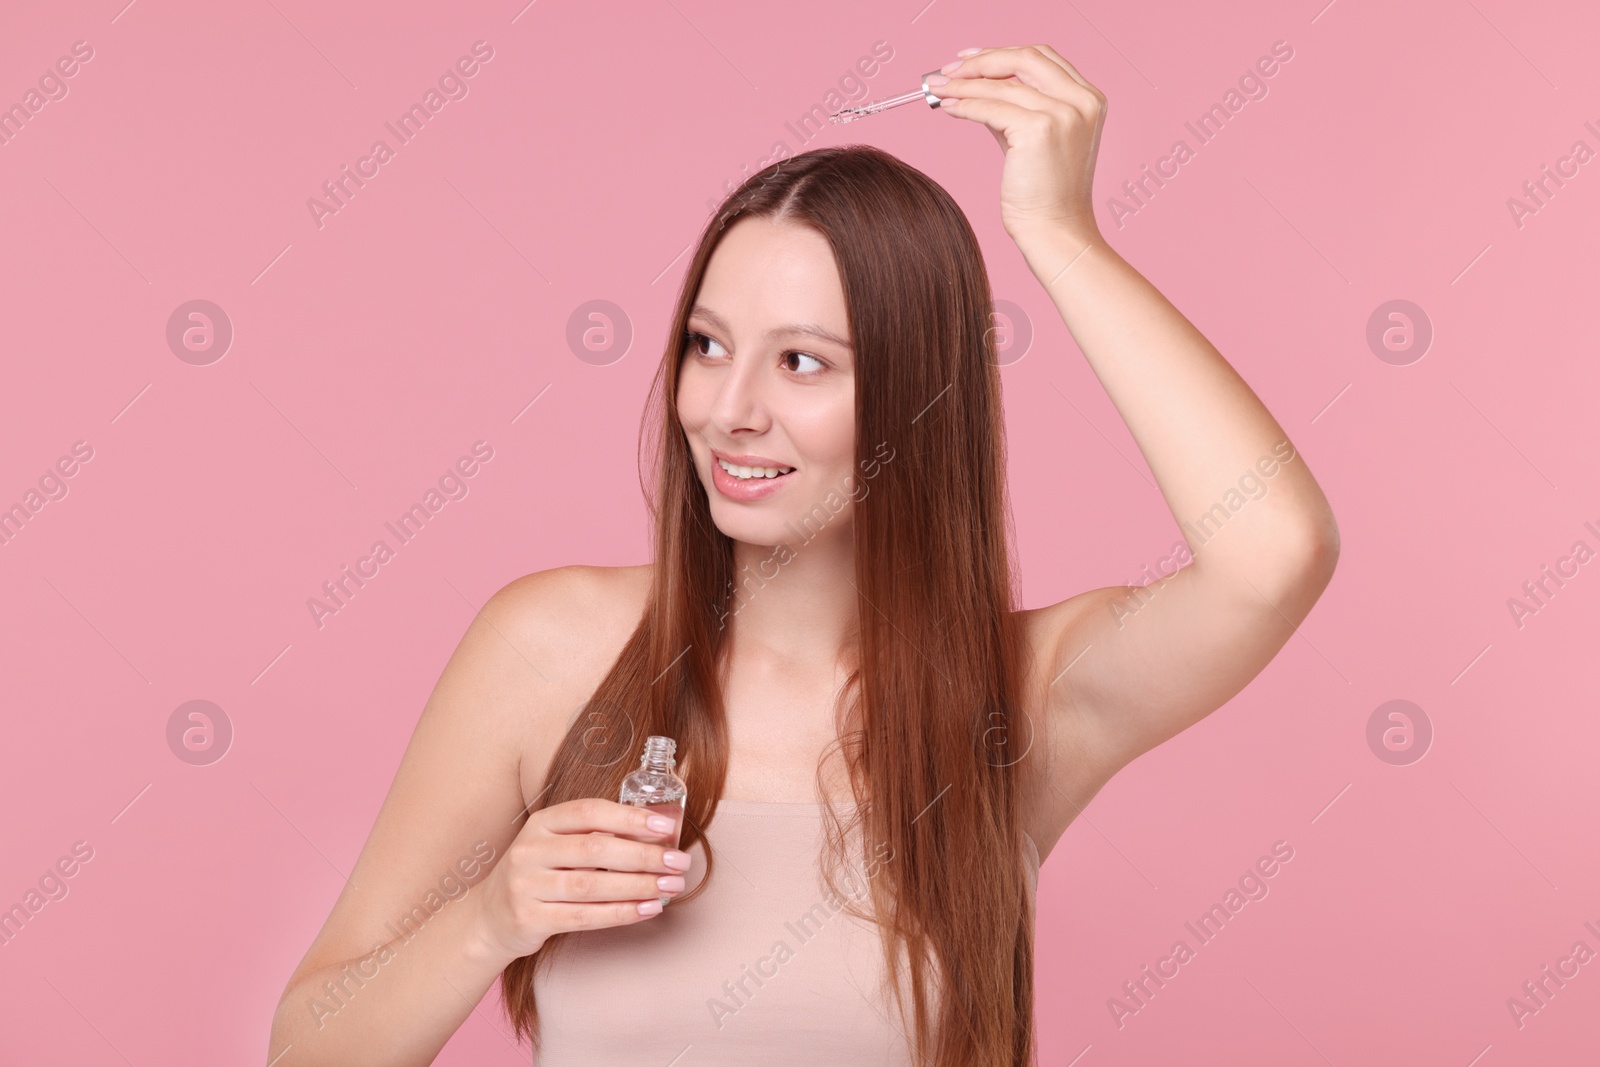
(934, 693)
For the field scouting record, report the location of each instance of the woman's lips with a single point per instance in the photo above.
(744, 488)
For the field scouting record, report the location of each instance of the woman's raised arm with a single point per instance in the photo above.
(1131, 666)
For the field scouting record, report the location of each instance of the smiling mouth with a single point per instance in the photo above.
(753, 474)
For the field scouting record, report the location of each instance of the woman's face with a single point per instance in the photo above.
(768, 380)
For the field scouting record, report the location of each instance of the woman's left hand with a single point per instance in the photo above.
(1047, 119)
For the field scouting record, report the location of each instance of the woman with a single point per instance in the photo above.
(830, 633)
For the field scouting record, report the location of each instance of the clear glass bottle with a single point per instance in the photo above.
(656, 787)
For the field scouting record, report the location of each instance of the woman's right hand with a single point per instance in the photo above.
(541, 885)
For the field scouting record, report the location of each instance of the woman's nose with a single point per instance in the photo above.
(740, 401)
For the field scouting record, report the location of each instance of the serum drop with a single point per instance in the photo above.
(654, 786)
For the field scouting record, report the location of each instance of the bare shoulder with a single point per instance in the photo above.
(503, 693)
(1067, 763)
(568, 609)
(572, 622)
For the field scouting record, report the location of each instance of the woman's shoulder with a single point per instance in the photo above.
(601, 588)
(559, 631)
(579, 615)
(575, 597)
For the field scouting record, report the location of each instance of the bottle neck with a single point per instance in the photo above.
(658, 755)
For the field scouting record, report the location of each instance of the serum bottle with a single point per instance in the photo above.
(656, 787)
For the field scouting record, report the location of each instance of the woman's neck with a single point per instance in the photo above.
(797, 602)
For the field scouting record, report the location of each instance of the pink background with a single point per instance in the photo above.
(371, 353)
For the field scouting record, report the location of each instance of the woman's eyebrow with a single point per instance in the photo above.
(803, 329)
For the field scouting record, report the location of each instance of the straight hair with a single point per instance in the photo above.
(929, 715)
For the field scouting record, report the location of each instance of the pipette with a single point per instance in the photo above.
(850, 114)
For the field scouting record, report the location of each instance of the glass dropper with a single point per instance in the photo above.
(850, 114)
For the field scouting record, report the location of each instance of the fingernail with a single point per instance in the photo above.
(937, 79)
(969, 51)
(649, 907)
(659, 823)
(670, 883)
(678, 860)
(949, 68)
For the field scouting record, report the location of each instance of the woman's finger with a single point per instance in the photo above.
(1056, 57)
(588, 814)
(1029, 66)
(1000, 116)
(568, 918)
(1010, 90)
(574, 886)
(601, 850)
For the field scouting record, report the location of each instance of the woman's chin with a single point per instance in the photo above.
(768, 531)
(773, 528)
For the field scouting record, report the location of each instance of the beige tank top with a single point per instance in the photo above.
(764, 967)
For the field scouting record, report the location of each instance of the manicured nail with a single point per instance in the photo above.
(937, 79)
(969, 51)
(670, 883)
(659, 823)
(678, 860)
(950, 67)
(649, 907)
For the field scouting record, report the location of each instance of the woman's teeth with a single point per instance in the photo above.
(753, 472)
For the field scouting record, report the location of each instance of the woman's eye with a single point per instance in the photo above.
(697, 343)
(802, 355)
(697, 340)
